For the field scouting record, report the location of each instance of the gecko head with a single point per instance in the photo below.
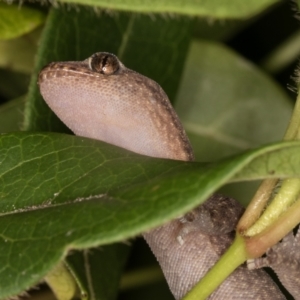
(101, 99)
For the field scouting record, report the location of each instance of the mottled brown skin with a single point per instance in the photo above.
(284, 259)
(100, 98)
(184, 264)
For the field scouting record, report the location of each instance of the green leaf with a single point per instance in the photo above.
(102, 269)
(11, 115)
(212, 8)
(62, 192)
(224, 103)
(16, 20)
(13, 59)
(218, 31)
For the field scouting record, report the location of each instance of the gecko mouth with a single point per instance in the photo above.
(66, 69)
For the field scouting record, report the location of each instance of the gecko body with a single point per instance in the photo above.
(100, 98)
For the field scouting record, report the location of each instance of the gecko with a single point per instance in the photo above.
(100, 98)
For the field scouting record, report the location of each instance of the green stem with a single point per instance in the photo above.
(257, 205)
(259, 201)
(234, 256)
(287, 194)
(258, 245)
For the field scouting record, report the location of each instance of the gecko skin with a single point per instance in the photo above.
(284, 259)
(102, 99)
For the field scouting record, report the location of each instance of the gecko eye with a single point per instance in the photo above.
(104, 63)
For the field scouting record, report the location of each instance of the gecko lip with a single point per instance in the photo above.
(66, 69)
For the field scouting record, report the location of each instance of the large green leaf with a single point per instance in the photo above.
(62, 192)
(212, 8)
(17, 20)
(227, 103)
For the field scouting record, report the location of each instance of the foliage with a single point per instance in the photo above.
(60, 192)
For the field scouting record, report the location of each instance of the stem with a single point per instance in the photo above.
(287, 194)
(234, 256)
(257, 204)
(265, 190)
(259, 244)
